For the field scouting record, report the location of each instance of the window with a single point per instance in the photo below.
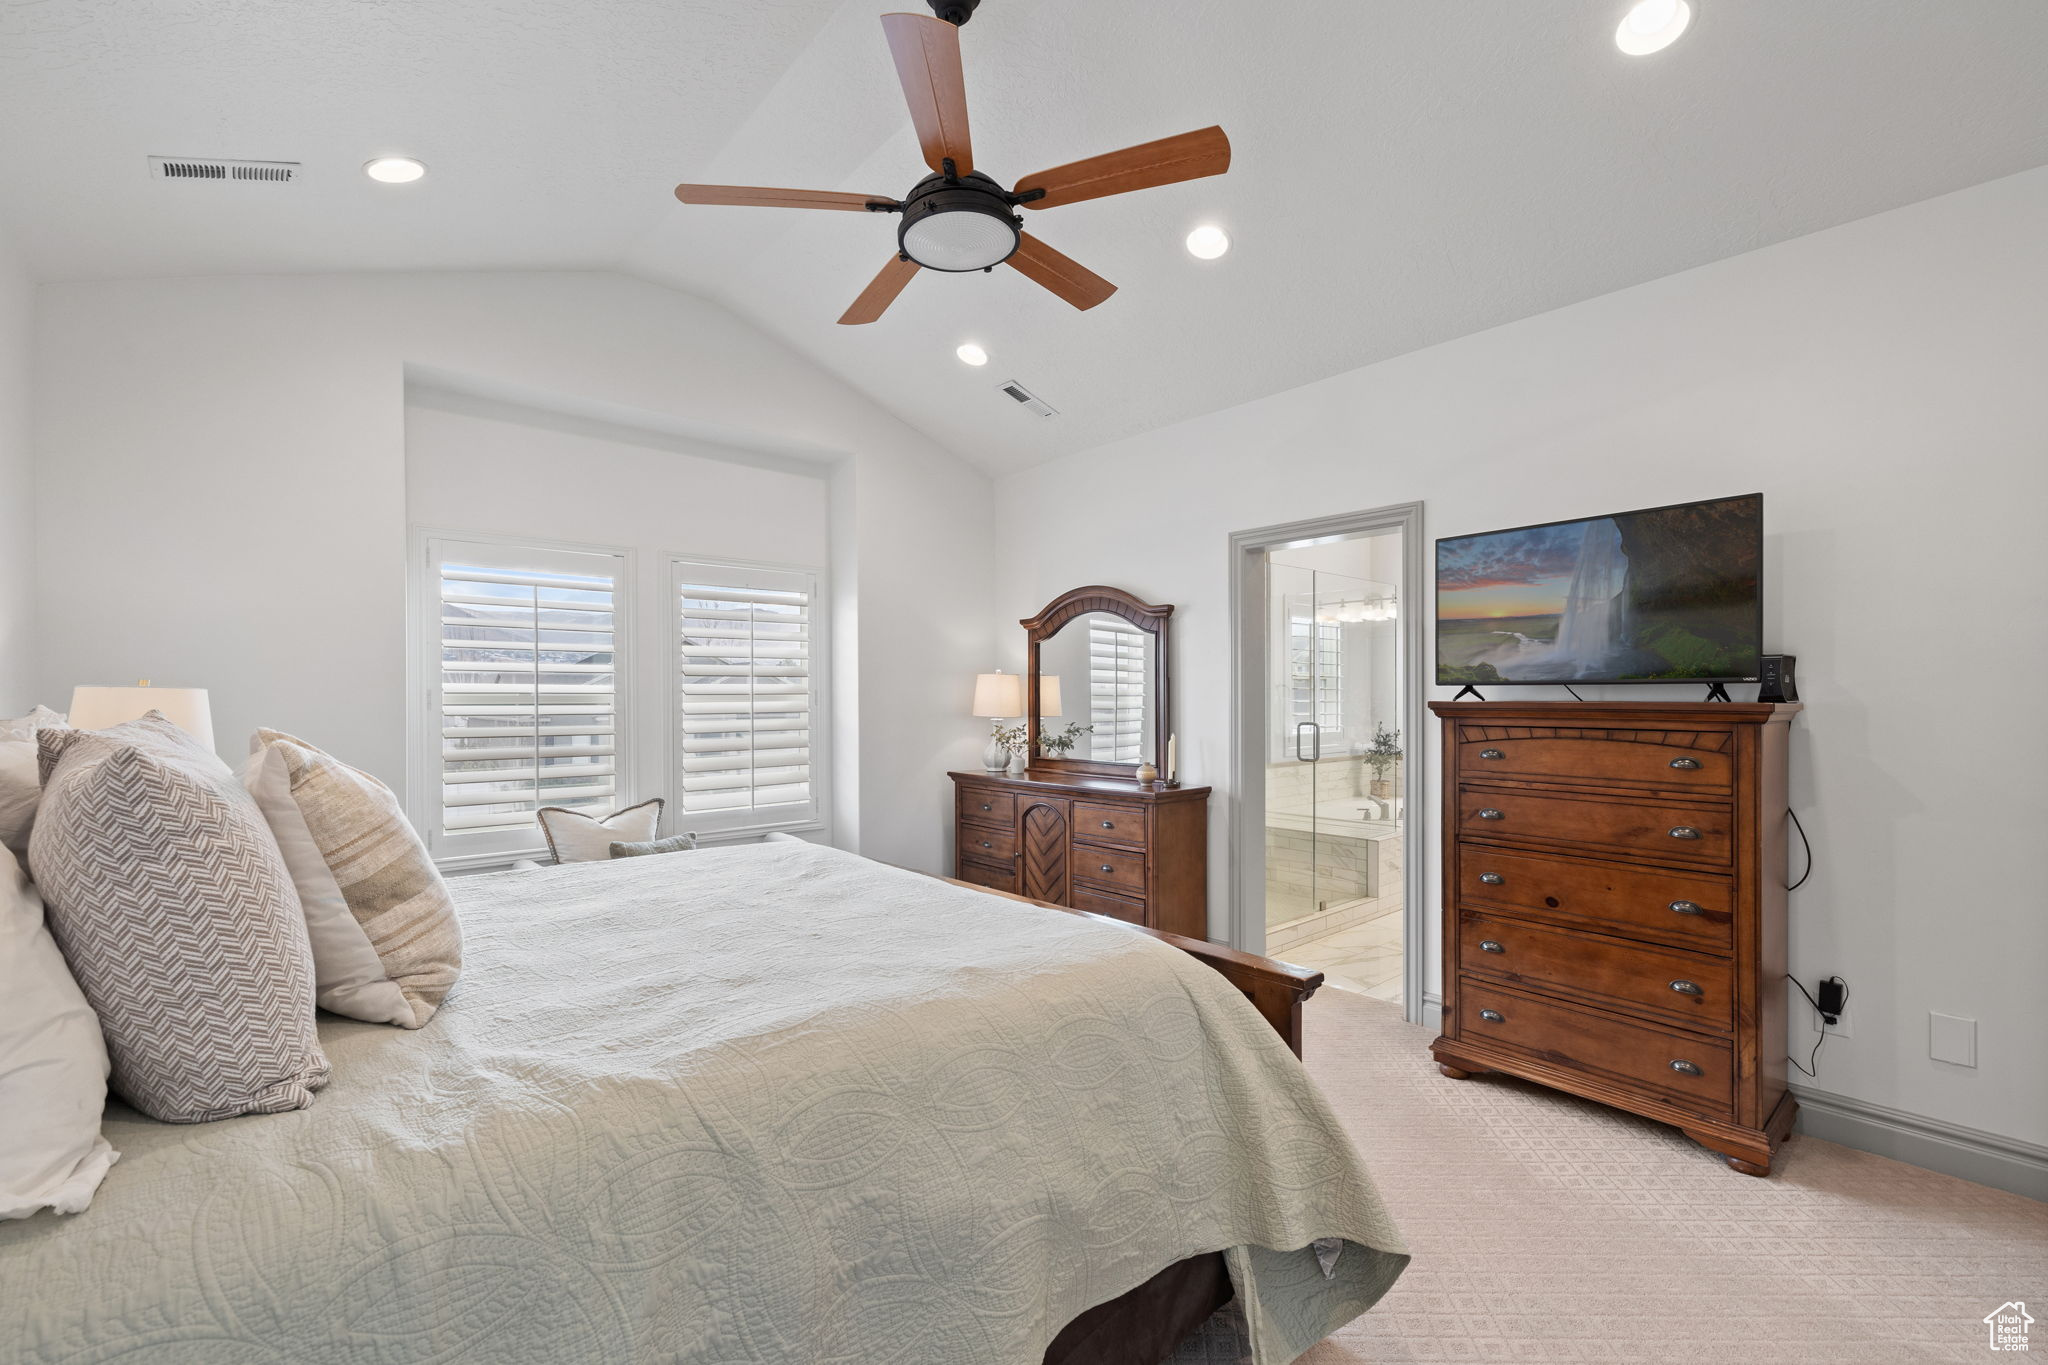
(749, 697)
(1116, 691)
(525, 705)
(1315, 651)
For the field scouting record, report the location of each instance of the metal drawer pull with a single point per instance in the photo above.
(1106, 824)
(1684, 1068)
(986, 806)
(1491, 753)
(1493, 879)
(1685, 764)
(1491, 814)
(1685, 832)
(1490, 945)
(1687, 988)
(986, 844)
(1493, 1016)
(1107, 868)
(1685, 907)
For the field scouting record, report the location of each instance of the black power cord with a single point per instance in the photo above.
(1812, 1067)
(1569, 688)
(1804, 843)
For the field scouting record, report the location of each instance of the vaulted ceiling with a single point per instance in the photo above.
(1404, 173)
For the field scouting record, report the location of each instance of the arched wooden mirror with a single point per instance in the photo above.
(1098, 699)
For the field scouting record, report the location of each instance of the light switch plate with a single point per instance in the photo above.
(1951, 1038)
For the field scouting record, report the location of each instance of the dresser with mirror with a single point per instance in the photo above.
(1077, 827)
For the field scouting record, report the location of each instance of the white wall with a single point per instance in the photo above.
(222, 499)
(17, 484)
(1886, 385)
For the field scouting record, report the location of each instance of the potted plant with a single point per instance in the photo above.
(1017, 740)
(1383, 755)
(1061, 745)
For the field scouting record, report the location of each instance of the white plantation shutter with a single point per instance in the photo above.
(524, 701)
(1116, 691)
(749, 700)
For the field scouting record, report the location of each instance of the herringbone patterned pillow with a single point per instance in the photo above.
(172, 905)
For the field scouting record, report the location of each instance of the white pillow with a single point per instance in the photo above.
(348, 976)
(20, 787)
(53, 1066)
(576, 838)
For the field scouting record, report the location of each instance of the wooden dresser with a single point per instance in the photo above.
(1614, 909)
(1092, 843)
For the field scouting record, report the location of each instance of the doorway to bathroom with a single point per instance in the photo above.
(1328, 710)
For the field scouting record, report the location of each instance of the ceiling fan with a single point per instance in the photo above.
(957, 218)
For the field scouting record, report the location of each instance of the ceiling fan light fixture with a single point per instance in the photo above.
(394, 170)
(958, 223)
(1207, 242)
(971, 354)
(1652, 25)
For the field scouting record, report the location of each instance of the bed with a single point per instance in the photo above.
(772, 1103)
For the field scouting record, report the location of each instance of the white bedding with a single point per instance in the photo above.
(762, 1104)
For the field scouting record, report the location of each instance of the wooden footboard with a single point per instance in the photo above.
(1275, 988)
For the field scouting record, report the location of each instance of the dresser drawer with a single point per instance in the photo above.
(1106, 824)
(1110, 867)
(987, 843)
(1001, 878)
(1599, 1044)
(983, 807)
(1653, 829)
(1697, 760)
(1102, 903)
(1635, 902)
(1688, 989)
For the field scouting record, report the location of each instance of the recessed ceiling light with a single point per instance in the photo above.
(1652, 25)
(1208, 242)
(395, 170)
(972, 353)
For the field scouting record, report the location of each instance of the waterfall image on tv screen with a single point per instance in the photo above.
(1671, 594)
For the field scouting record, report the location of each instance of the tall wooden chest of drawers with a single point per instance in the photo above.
(1614, 909)
(1092, 843)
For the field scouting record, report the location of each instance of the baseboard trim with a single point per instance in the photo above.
(1967, 1153)
(1952, 1149)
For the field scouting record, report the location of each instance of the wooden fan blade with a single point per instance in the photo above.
(1072, 281)
(881, 292)
(1189, 156)
(779, 199)
(927, 53)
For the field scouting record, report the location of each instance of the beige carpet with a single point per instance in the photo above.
(1545, 1228)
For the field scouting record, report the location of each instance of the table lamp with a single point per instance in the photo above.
(96, 708)
(997, 696)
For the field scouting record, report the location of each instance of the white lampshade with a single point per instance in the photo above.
(998, 695)
(1048, 696)
(96, 708)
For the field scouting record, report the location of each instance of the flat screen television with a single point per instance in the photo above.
(1667, 594)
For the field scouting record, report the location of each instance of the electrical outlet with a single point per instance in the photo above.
(1951, 1038)
(1843, 1027)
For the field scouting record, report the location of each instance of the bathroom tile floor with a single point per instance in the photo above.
(1361, 957)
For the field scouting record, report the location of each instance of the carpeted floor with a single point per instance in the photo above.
(1546, 1229)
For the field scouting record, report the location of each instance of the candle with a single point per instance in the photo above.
(1172, 772)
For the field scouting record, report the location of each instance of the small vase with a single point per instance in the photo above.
(1017, 765)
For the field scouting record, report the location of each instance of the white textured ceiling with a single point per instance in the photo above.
(1404, 173)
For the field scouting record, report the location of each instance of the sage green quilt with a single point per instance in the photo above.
(771, 1103)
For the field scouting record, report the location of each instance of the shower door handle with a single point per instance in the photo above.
(1317, 755)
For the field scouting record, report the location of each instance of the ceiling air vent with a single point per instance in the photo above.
(213, 168)
(1025, 398)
